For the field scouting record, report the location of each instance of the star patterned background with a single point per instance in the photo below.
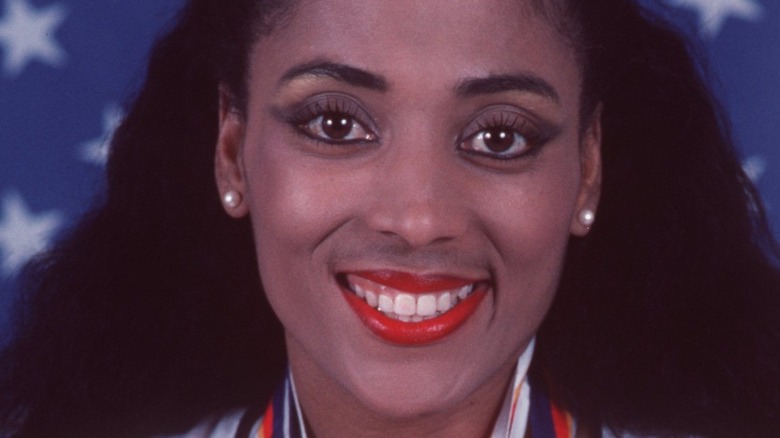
(68, 66)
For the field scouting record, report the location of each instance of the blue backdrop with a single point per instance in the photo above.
(68, 65)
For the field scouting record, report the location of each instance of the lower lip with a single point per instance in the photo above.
(415, 333)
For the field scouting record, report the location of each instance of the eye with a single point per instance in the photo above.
(337, 127)
(332, 119)
(498, 141)
(502, 134)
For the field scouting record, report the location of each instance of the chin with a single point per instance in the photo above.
(411, 390)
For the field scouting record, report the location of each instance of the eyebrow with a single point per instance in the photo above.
(467, 88)
(501, 83)
(340, 72)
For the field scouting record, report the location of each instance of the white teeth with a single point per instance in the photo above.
(464, 292)
(408, 307)
(359, 291)
(426, 305)
(385, 303)
(444, 302)
(405, 305)
(371, 299)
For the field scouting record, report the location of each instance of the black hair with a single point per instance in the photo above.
(666, 319)
(150, 314)
(111, 339)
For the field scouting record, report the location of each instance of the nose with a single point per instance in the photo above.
(418, 198)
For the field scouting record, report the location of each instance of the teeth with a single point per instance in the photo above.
(408, 307)
(385, 303)
(359, 291)
(426, 305)
(372, 299)
(444, 302)
(405, 305)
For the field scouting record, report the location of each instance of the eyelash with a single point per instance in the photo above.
(493, 121)
(307, 119)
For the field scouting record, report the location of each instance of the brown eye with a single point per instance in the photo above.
(336, 127)
(498, 142)
(498, 139)
(504, 132)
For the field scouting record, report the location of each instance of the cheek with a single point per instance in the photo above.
(290, 202)
(295, 203)
(529, 225)
(534, 221)
(530, 216)
(532, 243)
(289, 209)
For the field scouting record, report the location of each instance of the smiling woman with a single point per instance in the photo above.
(507, 218)
(420, 166)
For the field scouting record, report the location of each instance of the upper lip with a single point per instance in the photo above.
(413, 282)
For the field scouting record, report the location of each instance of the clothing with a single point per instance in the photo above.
(523, 409)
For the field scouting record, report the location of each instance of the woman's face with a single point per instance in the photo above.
(394, 154)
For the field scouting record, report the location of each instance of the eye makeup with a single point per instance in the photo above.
(505, 132)
(332, 118)
(495, 134)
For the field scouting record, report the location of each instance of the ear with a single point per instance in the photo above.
(228, 164)
(590, 183)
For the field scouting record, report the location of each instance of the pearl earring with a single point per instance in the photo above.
(232, 199)
(587, 217)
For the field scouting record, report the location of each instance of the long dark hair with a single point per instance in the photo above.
(667, 317)
(150, 315)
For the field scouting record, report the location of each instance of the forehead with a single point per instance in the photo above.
(407, 40)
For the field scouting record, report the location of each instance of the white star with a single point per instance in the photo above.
(96, 150)
(754, 168)
(28, 34)
(23, 234)
(713, 13)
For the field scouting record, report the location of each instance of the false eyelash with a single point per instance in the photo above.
(500, 121)
(309, 110)
(535, 136)
(300, 115)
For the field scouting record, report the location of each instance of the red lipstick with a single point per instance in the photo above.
(428, 330)
(407, 282)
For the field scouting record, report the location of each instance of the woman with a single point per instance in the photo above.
(506, 218)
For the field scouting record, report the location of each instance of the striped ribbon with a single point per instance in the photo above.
(546, 419)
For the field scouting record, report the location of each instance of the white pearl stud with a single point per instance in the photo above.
(587, 217)
(231, 199)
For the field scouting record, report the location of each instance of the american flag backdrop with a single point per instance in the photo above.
(67, 66)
